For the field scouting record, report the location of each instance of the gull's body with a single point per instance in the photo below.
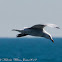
(36, 30)
(33, 32)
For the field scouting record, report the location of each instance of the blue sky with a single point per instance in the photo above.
(16, 14)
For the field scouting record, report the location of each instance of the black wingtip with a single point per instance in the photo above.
(57, 27)
(13, 29)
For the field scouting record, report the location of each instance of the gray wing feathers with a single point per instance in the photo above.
(38, 26)
(41, 26)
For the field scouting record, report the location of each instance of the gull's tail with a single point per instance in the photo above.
(21, 33)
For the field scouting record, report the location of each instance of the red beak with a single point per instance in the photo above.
(52, 40)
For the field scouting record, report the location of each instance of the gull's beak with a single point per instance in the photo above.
(52, 40)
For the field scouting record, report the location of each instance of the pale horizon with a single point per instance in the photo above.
(17, 14)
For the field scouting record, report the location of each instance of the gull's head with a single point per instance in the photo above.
(48, 36)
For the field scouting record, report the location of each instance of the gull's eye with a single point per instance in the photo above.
(49, 36)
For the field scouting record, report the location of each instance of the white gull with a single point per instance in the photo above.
(37, 30)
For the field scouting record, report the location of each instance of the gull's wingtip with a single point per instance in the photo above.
(53, 25)
(57, 27)
(13, 29)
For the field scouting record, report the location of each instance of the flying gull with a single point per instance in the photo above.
(37, 30)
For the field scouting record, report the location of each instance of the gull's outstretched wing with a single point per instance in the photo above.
(41, 26)
(53, 26)
(38, 26)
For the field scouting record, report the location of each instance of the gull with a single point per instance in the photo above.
(37, 30)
